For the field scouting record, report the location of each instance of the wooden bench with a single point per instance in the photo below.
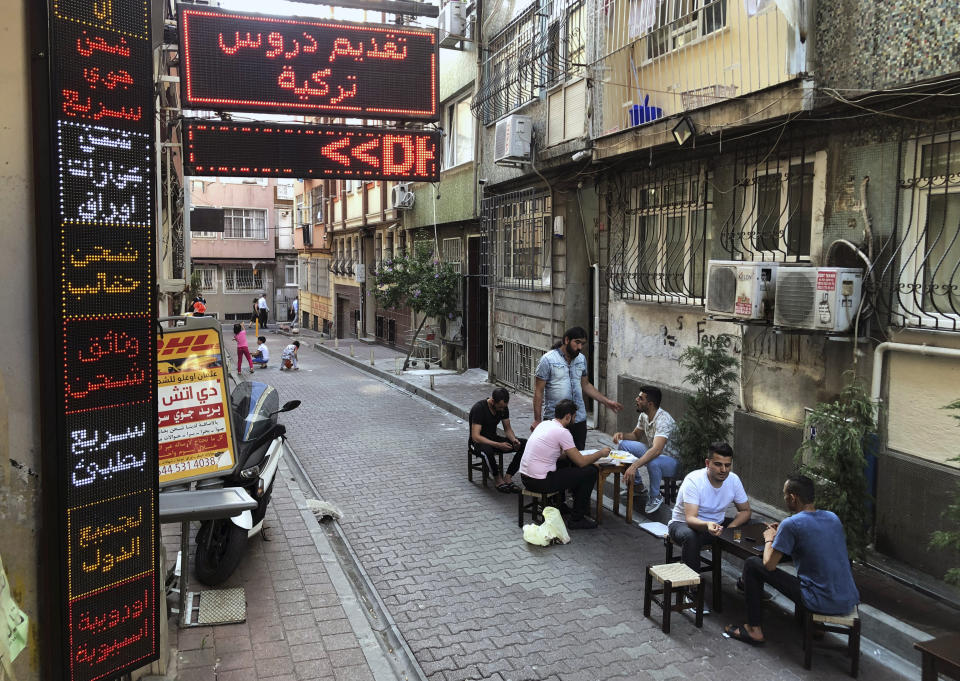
(674, 577)
(940, 655)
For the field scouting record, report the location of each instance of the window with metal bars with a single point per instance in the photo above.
(237, 279)
(518, 236)
(926, 261)
(208, 278)
(659, 237)
(774, 208)
(678, 22)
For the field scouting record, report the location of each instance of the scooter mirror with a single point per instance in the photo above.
(289, 406)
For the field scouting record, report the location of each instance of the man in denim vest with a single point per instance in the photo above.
(562, 375)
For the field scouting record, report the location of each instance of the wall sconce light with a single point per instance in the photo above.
(683, 130)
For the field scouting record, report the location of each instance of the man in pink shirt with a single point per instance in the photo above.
(551, 441)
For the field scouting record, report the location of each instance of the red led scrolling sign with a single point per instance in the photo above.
(250, 62)
(299, 151)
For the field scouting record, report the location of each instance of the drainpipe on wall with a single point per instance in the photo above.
(881, 350)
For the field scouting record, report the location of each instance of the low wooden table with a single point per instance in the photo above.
(751, 544)
(616, 469)
(940, 655)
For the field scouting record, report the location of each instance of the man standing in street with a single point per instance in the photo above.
(817, 545)
(562, 375)
(659, 453)
(702, 501)
(485, 416)
(262, 311)
(295, 312)
(551, 441)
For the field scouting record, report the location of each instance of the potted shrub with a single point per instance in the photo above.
(834, 458)
(712, 371)
(950, 539)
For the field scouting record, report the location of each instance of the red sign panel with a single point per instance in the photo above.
(301, 151)
(249, 62)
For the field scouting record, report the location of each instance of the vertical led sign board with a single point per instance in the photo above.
(250, 62)
(102, 447)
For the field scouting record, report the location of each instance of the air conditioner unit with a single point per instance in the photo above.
(451, 24)
(740, 289)
(819, 298)
(402, 196)
(512, 139)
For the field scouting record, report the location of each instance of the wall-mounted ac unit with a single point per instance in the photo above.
(452, 23)
(740, 289)
(402, 196)
(512, 137)
(819, 298)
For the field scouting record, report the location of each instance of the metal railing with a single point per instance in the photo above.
(518, 233)
(517, 365)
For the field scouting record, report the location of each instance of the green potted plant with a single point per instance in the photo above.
(834, 457)
(950, 539)
(712, 371)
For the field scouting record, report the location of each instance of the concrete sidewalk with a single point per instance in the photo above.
(894, 614)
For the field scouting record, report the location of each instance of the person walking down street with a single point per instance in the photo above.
(255, 312)
(562, 375)
(815, 541)
(262, 311)
(295, 311)
(485, 416)
(288, 357)
(700, 513)
(243, 350)
(659, 453)
(551, 442)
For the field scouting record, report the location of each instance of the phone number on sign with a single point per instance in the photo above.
(189, 465)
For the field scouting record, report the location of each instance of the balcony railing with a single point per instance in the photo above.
(655, 58)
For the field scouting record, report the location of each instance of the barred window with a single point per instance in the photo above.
(519, 234)
(927, 288)
(236, 279)
(659, 242)
(680, 22)
(244, 223)
(290, 275)
(776, 204)
(208, 278)
(566, 41)
(509, 77)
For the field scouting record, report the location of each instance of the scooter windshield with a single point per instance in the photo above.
(253, 404)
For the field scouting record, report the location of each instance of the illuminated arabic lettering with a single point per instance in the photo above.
(239, 42)
(103, 10)
(87, 46)
(390, 49)
(344, 94)
(288, 81)
(312, 47)
(111, 343)
(275, 41)
(119, 284)
(342, 46)
(105, 382)
(103, 254)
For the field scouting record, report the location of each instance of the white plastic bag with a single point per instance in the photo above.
(552, 531)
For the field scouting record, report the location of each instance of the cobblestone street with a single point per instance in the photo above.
(470, 597)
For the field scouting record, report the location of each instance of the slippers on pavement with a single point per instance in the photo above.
(505, 487)
(739, 632)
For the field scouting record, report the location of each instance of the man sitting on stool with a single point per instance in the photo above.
(702, 501)
(659, 454)
(550, 441)
(485, 416)
(816, 544)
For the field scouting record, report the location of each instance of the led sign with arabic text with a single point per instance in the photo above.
(249, 62)
(303, 151)
(102, 448)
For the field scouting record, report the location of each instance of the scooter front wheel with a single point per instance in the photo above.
(220, 546)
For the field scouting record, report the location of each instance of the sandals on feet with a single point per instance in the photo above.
(506, 487)
(739, 632)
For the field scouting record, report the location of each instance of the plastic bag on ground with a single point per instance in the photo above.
(551, 531)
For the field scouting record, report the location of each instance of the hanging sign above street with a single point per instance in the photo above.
(251, 62)
(217, 148)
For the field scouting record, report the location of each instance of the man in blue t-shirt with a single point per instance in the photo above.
(816, 543)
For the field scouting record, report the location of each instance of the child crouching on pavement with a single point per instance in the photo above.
(262, 355)
(288, 358)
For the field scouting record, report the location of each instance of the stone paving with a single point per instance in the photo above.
(470, 597)
(297, 628)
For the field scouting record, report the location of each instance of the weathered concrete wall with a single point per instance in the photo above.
(19, 399)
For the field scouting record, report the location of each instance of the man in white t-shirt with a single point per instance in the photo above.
(659, 453)
(705, 494)
(550, 441)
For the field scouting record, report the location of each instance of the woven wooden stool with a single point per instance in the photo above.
(847, 625)
(476, 462)
(673, 576)
(537, 502)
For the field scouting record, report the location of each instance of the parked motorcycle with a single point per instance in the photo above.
(261, 445)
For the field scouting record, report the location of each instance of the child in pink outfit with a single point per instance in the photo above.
(240, 336)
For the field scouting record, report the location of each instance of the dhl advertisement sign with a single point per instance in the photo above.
(193, 406)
